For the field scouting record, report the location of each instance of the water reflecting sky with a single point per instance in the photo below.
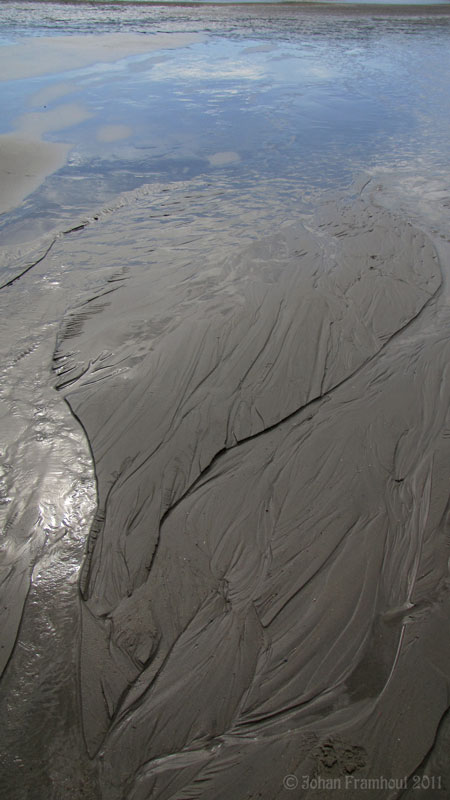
(309, 98)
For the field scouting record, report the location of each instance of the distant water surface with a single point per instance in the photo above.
(312, 98)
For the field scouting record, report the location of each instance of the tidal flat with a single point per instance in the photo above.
(224, 401)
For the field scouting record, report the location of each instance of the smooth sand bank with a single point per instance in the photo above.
(24, 163)
(57, 54)
(26, 160)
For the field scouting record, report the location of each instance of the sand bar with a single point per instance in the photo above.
(24, 163)
(57, 54)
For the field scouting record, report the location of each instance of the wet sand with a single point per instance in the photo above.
(50, 55)
(270, 451)
(266, 575)
(24, 164)
(264, 592)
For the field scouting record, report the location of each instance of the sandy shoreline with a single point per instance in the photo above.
(226, 558)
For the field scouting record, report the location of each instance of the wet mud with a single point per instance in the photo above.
(267, 568)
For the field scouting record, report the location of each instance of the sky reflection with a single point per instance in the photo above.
(311, 100)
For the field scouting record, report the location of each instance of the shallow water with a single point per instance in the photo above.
(313, 99)
(183, 162)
